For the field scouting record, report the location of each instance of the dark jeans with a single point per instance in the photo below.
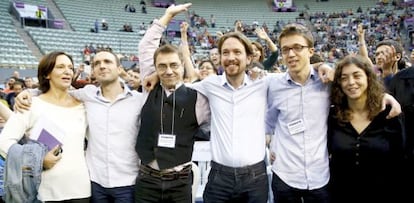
(83, 200)
(244, 184)
(283, 193)
(149, 188)
(112, 195)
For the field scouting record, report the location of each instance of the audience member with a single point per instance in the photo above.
(212, 21)
(214, 56)
(96, 28)
(132, 8)
(29, 83)
(104, 25)
(259, 51)
(205, 69)
(17, 87)
(127, 27)
(134, 79)
(144, 8)
(401, 87)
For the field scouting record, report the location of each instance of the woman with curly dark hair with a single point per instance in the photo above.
(366, 149)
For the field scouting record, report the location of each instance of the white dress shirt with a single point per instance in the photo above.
(237, 119)
(113, 129)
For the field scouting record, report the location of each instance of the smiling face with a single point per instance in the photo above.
(169, 69)
(234, 58)
(256, 53)
(206, 68)
(297, 56)
(62, 73)
(354, 82)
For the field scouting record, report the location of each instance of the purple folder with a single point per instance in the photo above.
(48, 139)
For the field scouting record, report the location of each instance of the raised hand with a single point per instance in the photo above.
(261, 33)
(176, 9)
(184, 28)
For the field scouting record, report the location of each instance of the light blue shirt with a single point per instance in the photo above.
(237, 119)
(301, 156)
(113, 129)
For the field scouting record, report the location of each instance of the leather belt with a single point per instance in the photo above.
(163, 175)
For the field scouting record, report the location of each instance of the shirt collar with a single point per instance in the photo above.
(313, 75)
(127, 90)
(225, 83)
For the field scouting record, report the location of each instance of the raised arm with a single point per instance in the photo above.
(191, 74)
(271, 60)
(362, 45)
(151, 40)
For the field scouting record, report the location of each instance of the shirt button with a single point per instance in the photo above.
(357, 163)
(357, 145)
(357, 154)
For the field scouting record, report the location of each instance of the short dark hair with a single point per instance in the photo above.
(316, 58)
(117, 60)
(167, 49)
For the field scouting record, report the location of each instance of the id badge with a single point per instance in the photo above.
(166, 140)
(296, 126)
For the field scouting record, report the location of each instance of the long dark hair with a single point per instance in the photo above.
(375, 89)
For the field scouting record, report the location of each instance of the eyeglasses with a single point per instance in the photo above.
(296, 48)
(164, 67)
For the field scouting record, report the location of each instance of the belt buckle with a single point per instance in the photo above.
(155, 174)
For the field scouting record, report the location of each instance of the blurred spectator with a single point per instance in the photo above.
(28, 83)
(143, 8)
(134, 80)
(9, 85)
(39, 15)
(142, 29)
(16, 74)
(132, 8)
(213, 21)
(412, 57)
(96, 28)
(17, 87)
(127, 28)
(104, 25)
(86, 55)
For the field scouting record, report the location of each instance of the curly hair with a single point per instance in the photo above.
(375, 90)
